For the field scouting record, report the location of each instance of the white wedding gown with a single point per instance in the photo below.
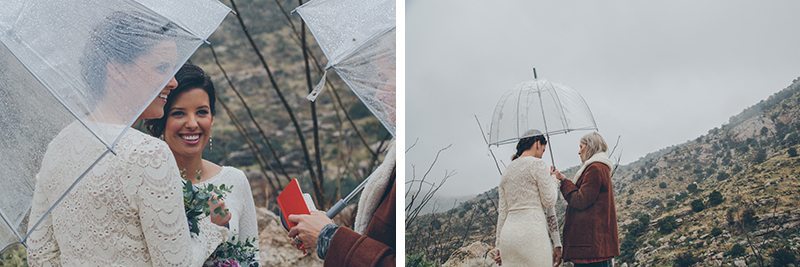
(127, 211)
(527, 227)
(239, 201)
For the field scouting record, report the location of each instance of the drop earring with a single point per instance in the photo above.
(210, 143)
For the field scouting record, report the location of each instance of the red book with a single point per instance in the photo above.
(291, 201)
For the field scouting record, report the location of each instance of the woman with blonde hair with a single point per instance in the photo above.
(590, 223)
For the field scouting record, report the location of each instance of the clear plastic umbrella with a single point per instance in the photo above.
(81, 71)
(358, 38)
(539, 104)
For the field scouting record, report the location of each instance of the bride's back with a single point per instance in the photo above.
(519, 183)
(99, 221)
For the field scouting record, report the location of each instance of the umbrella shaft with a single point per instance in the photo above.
(552, 160)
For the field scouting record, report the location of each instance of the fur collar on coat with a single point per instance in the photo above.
(601, 157)
(373, 190)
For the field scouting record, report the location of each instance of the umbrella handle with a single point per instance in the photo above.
(338, 207)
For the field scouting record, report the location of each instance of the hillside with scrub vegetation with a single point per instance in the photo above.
(726, 198)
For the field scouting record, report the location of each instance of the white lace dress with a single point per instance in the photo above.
(127, 211)
(239, 201)
(527, 228)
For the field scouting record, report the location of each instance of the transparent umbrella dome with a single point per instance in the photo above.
(74, 76)
(358, 39)
(538, 104)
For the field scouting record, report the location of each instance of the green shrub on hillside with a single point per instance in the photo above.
(716, 231)
(686, 259)
(761, 156)
(418, 260)
(715, 198)
(697, 205)
(736, 251)
(667, 225)
(721, 176)
(632, 241)
(692, 188)
(749, 218)
(783, 257)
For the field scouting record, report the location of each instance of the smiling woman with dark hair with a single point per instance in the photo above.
(186, 127)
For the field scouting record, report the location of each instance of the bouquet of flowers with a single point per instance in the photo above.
(196, 198)
(234, 253)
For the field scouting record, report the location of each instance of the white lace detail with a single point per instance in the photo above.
(239, 201)
(127, 211)
(526, 184)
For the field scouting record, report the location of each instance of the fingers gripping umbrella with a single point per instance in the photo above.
(81, 71)
(539, 104)
(358, 38)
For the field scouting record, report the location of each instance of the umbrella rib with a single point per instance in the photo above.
(546, 132)
(61, 198)
(13, 229)
(516, 114)
(352, 51)
(180, 25)
(561, 108)
(369, 107)
(590, 112)
(58, 98)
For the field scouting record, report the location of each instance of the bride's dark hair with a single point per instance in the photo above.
(526, 143)
(123, 38)
(188, 77)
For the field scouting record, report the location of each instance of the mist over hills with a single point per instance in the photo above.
(727, 197)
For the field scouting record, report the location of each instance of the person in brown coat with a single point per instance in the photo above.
(590, 223)
(372, 243)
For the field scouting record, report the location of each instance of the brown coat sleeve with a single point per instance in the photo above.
(584, 196)
(375, 247)
(353, 249)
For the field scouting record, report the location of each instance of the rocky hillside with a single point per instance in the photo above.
(725, 198)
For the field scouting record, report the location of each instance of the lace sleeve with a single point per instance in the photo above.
(548, 195)
(42, 247)
(502, 212)
(552, 226)
(162, 214)
(248, 226)
(548, 188)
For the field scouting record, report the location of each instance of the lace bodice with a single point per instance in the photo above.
(239, 201)
(526, 184)
(127, 210)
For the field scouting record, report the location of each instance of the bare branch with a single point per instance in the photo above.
(317, 184)
(412, 145)
(297, 39)
(615, 146)
(250, 114)
(487, 144)
(315, 122)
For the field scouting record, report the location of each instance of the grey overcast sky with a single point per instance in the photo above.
(657, 73)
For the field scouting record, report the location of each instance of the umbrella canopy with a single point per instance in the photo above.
(90, 66)
(358, 38)
(539, 104)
